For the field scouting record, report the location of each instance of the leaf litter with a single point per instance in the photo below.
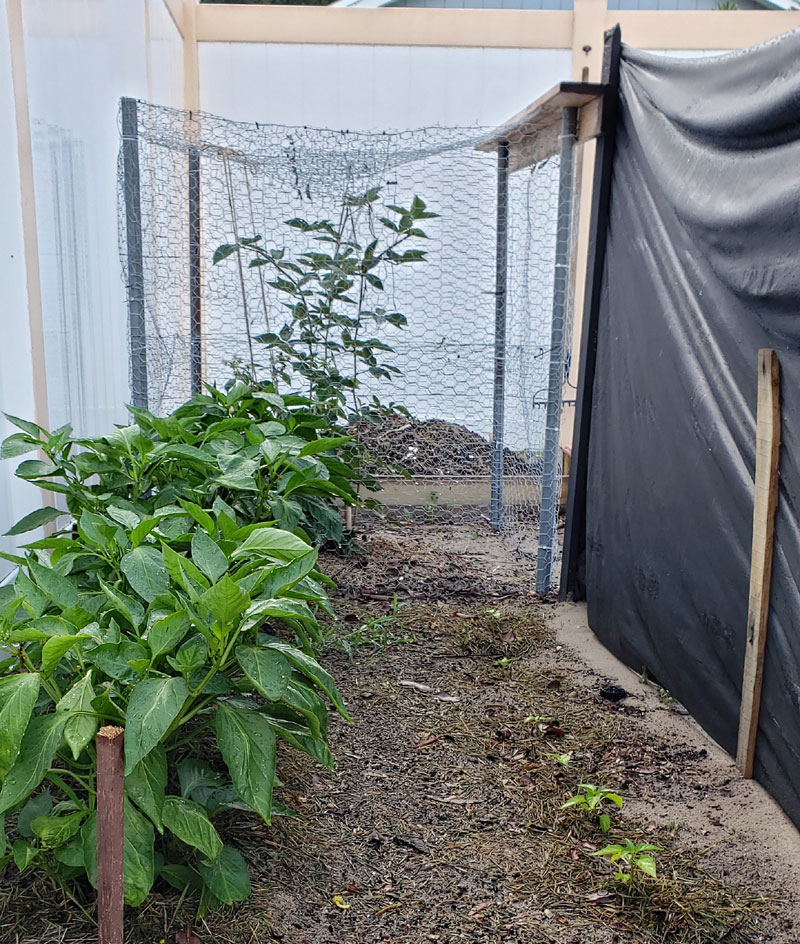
(442, 820)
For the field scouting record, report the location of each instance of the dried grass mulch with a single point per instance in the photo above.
(442, 821)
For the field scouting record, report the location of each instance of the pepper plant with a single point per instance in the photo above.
(187, 624)
(268, 457)
(631, 858)
(590, 798)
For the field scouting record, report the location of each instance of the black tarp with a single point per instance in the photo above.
(702, 269)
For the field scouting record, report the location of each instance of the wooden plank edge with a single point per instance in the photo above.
(765, 503)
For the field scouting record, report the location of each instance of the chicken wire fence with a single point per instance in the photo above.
(479, 369)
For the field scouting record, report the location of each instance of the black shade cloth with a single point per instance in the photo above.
(702, 269)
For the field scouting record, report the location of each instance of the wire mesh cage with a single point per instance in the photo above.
(467, 323)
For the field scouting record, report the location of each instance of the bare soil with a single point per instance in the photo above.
(442, 820)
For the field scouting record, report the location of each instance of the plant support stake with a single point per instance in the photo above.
(110, 834)
(765, 503)
(496, 501)
(551, 471)
(133, 247)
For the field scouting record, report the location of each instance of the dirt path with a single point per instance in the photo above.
(442, 820)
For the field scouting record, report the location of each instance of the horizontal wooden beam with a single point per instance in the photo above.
(701, 29)
(424, 490)
(534, 134)
(590, 119)
(386, 26)
(501, 29)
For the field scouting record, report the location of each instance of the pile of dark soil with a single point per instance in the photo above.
(403, 445)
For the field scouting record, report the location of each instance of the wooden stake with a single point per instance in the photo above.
(768, 441)
(110, 834)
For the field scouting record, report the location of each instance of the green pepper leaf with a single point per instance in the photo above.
(226, 600)
(61, 590)
(36, 752)
(191, 655)
(147, 782)
(56, 647)
(54, 831)
(247, 744)
(153, 706)
(145, 570)
(310, 668)
(267, 669)
(23, 854)
(18, 694)
(208, 556)
(274, 543)
(39, 805)
(80, 727)
(203, 518)
(166, 633)
(36, 519)
(138, 858)
(188, 821)
(228, 878)
(126, 606)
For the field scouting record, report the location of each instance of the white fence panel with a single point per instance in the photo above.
(81, 57)
(373, 88)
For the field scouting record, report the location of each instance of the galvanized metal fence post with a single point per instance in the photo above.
(501, 276)
(551, 469)
(195, 301)
(133, 245)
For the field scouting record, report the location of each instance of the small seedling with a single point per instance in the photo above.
(536, 719)
(631, 856)
(503, 663)
(379, 632)
(589, 798)
(562, 759)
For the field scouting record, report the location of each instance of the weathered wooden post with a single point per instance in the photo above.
(110, 834)
(765, 504)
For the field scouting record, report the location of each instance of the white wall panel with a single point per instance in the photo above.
(82, 56)
(17, 498)
(373, 87)
(165, 57)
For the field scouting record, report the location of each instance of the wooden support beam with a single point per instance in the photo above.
(768, 441)
(110, 834)
(534, 134)
(590, 120)
(573, 561)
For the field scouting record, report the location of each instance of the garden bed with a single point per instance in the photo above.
(442, 820)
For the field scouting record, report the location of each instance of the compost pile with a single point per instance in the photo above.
(399, 444)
